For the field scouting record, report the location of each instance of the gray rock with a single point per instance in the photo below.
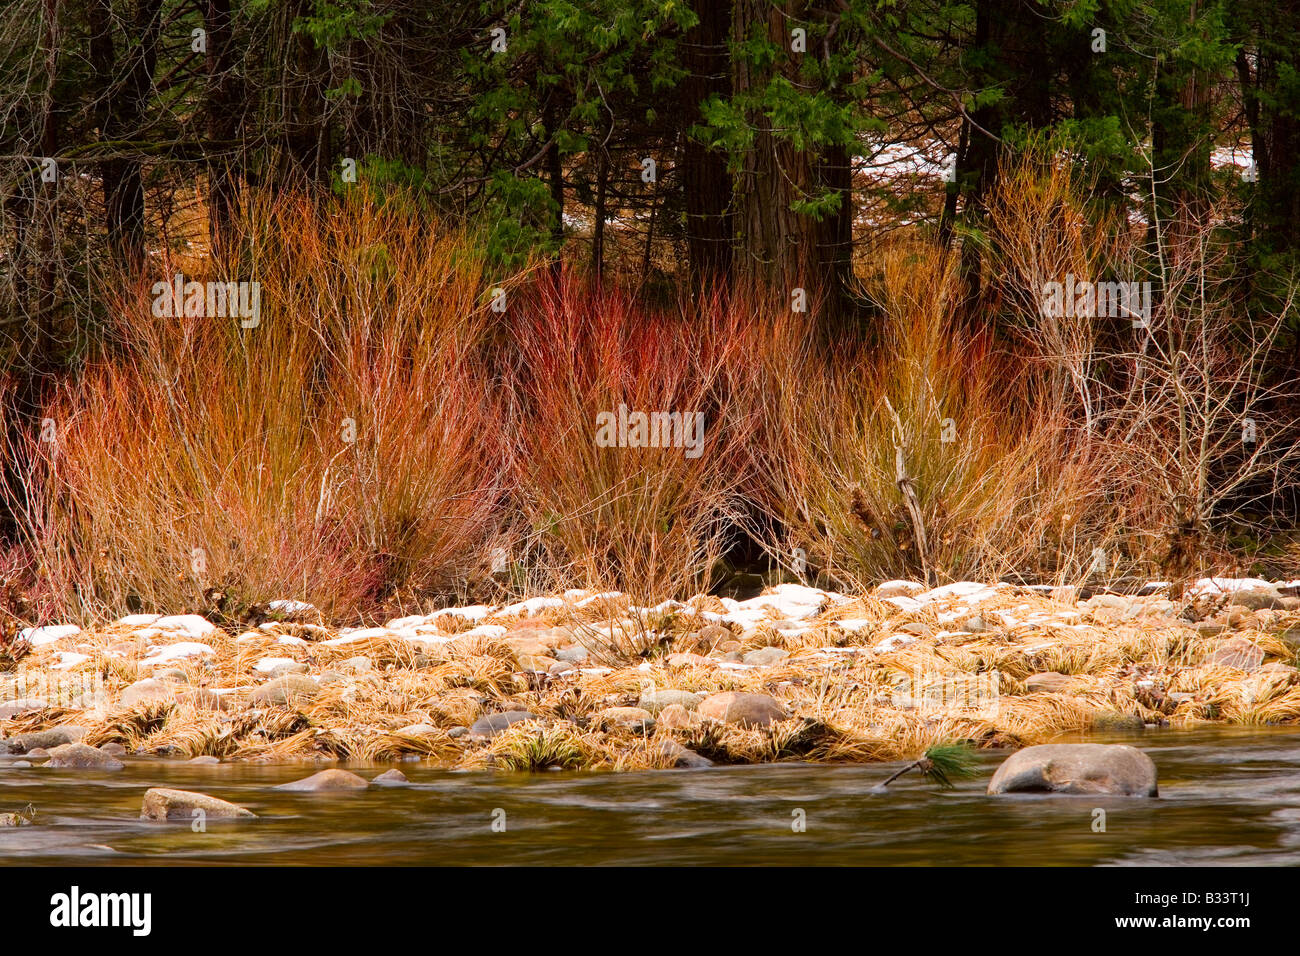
(391, 778)
(418, 730)
(288, 667)
(81, 757)
(1112, 769)
(683, 758)
(1047, 682)
(47, 739)
(326, 780)
(357, 665)
(1113, 720)
(1259, 599)
(113, 749)
(174, 674)
(747, 710)
(150, 688)
(656, 701)
(493, 724)
(161, 803)
(204, 699)
(631, 718)
(710, 636)
(576, 654)
(765, 656)
(457, 731)
(292, 688)
(24, 705)
(1239, 653)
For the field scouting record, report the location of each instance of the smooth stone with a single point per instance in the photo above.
(46, 739)
(81, 757)
(161, 803)
(712, 636)
(357, 665)
(1113, 769)
(1239, 653)
(682, 757)
(205, 759)
(917, 629)
(1114, 720)
(391, 778)
(23, 705)
(493, 724)
(174, 674)
(150, 688)
(1048, 682)
(285, 690)
(332, 779)
(1258, 599)
(674, 717)
(635, 719)
(290, 667)
(457, 731)
(765, 656)
(658, 700)
(417, 730)
(747, 710)
(577, 654)
(113, 749)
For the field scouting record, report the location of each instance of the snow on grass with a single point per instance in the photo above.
(48, 634)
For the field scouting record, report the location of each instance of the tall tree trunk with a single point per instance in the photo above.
(705, 183)
(128, 101)
(225, 106)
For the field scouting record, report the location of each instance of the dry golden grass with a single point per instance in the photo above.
(844, 707)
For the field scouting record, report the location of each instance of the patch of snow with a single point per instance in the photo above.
(48, 633)
(138, 620)
(352, 634)
(1216, 586)
(268, 664)
(191, 625)
(533, 605)
(69, 659)
(290, 606)
(173, 652)
(895, 641)
(290, 639)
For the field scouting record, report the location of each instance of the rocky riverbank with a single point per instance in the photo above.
(584, 680)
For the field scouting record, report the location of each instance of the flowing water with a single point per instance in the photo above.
(1226, 797)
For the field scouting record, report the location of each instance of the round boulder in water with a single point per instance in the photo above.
(1111, 769)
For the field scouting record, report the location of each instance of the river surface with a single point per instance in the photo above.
(1226, 797)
